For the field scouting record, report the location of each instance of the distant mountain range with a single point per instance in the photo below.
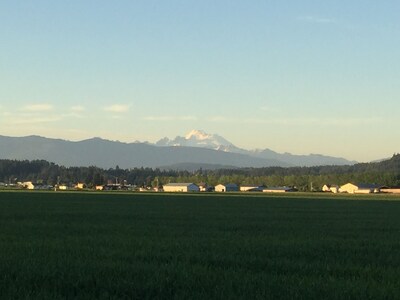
(196, 150)
(201, 139)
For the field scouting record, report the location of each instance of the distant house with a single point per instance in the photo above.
(99, 187)
(181, 187)
(360, 188)
(279, 189)
(80, 186)
(204, 187)
(62, 187)
(28, 185)
(229, 187)
(330, 188)
(251, 188)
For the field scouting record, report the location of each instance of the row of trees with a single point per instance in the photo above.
(304, 178)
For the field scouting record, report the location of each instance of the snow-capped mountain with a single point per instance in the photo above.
(201, 139)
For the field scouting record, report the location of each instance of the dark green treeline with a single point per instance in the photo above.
(304, 178)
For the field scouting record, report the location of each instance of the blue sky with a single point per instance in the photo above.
(293, 76)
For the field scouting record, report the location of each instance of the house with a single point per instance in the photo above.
(62, 187)
(181, 187)
(80, 186)
(204, 187)
(361, 188)
(99, 187)
(330, 188)
(229, 187)
(279, 189)
(28, 185)
(251, 188)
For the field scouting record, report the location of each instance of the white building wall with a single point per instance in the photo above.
(181, 188)
(248, 187)
(220, 188)
(348, 188)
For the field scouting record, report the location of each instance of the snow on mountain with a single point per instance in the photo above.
(199, 138)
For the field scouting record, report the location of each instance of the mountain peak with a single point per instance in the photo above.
(198, 138)
(198, 135)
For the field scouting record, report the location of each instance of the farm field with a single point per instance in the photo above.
(189, 246)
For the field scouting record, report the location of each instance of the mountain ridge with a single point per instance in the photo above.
(107, 154)
(199, 138)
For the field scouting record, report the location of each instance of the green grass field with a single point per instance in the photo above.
(149, 246)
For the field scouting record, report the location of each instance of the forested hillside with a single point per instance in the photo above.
(304, 178)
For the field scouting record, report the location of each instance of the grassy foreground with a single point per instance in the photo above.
(135, 246)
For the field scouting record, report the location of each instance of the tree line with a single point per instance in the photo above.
(303, 178)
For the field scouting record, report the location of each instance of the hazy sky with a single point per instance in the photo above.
(293, 76)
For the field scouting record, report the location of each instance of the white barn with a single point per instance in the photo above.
(230, 187)
(360, 188)
(181, 187)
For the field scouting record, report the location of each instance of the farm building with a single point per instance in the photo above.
(80, 186)
(279, 189)
(229, 187)
(204, 187)
(181, 187)
(360, 188)
(330, 188)
(391, 190)
(251, 188)
(28, 185)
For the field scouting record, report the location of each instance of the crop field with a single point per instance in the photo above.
(74, 245)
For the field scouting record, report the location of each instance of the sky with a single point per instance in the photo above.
(292, 76)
